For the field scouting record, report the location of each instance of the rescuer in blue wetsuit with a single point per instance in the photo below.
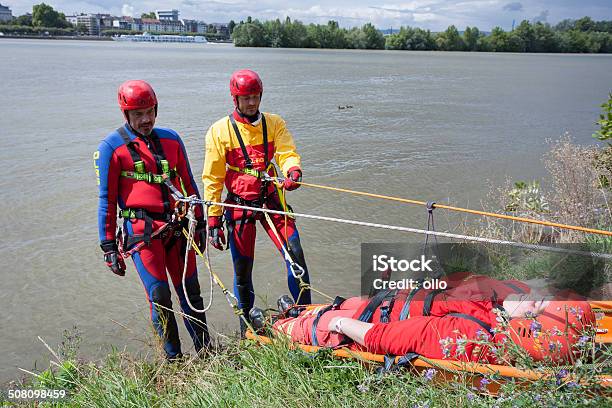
(130, 163)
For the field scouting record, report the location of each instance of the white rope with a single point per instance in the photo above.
(408, 229)
(191, 231)
(293, 266)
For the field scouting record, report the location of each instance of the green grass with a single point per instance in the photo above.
(245, 374)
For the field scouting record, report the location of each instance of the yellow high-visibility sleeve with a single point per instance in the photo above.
(286, 155)
(213, 175)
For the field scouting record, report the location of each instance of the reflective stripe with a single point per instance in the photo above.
(148, 177)
(251, 172)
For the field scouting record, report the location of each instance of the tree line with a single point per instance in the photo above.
(577, 36)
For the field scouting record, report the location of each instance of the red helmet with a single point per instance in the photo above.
(245, 82)
(136, 94)
(556, 332)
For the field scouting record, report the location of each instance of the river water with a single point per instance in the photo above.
(424, 125)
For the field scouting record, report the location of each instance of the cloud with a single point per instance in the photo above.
(515, 6)
(420, 17)
(543, 16)
(127, 10)
(392, 9)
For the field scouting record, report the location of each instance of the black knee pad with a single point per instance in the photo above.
(295, 248)
(160, 295)
(192, 287)
(243, 268)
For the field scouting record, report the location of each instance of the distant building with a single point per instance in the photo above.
(106, 21)
(90, 21)
(162, 26)
(72, 20)
(5, 13)
(222, 29)
(194, 26)
(151, 24)
(127, 23)
(172, 15)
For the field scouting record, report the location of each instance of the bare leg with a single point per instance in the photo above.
(352, 328)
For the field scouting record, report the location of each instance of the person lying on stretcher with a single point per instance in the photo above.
(462, 322)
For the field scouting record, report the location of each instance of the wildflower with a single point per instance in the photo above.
(536, 328)
(556, 331)
(583, 340)
(573, 384)
(363, 388)
(482, 335)
(446, 344)
(460, 346)
(470, 396)
(537, 397)
(560, 375)
(484, 382)
(429, 374)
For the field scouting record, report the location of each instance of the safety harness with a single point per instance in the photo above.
(163, 176)
(262, 175)
(385, 300)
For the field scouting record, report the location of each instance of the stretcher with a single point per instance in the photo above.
(449, 370)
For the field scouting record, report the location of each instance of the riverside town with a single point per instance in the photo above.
(46, 21)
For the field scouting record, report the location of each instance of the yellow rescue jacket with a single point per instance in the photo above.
(224, 157)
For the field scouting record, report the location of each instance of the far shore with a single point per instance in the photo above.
(77, 37)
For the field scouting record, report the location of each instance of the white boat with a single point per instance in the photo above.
(146, 37)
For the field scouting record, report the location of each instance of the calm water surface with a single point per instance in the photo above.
(424, 125)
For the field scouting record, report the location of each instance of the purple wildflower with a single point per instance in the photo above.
(429, 374)
(573, 384)
(482, 335)
(583, 340)
(560, 375)
(484, 382)
(470, 396)
(536, 328)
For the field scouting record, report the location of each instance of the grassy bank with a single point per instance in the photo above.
(245, 374)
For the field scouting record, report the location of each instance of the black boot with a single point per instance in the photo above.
(285, 303)
(257, 318)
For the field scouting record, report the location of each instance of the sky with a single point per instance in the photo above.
(435, 15)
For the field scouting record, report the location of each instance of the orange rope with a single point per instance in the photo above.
(465, 210)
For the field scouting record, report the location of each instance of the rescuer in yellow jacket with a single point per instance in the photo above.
(239, 150)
